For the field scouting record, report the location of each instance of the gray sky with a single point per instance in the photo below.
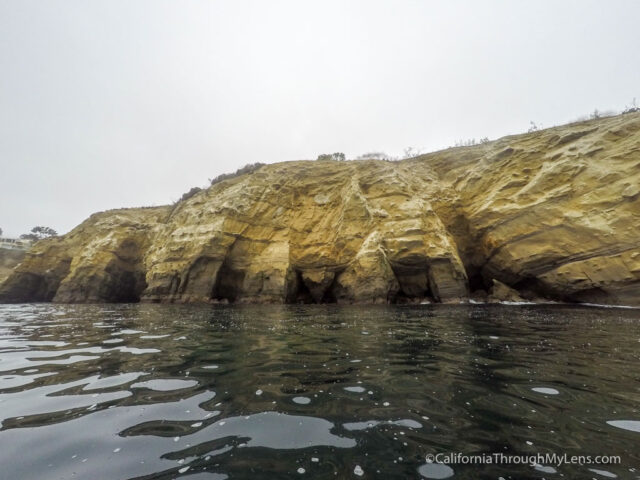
(129, 103)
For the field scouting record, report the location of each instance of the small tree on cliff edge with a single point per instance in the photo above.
(38, 233)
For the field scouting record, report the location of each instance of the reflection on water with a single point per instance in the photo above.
(156, 391)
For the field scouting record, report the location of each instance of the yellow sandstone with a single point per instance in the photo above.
(553, 213)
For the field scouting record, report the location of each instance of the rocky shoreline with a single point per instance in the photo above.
(552, 214)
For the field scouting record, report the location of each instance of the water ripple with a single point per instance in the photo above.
(161, 391)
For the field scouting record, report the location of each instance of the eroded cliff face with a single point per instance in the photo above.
(554, 213)
(9, 258)
(101, 260)
(307, 231)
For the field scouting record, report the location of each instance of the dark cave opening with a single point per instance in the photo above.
(413, 282)
(476, 281)
(124, 281)
(329, 294)
(590, 295)
(228, 283)
(124, 286)
(531, 288)
(300, 293)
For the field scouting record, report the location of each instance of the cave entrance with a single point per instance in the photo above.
(124, 286)
(476, 280)
(312, 293)
(300, 293)
(125, 280)
(413, 281)
(229, 281)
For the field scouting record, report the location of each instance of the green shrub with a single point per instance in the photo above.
(248, 168)
(189, 194)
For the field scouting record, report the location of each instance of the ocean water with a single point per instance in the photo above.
(260, 392)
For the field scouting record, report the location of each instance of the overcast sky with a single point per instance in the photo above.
(129, 103)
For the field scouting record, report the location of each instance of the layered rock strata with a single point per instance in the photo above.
(554, 213)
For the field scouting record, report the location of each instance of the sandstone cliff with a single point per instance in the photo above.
(554, 213)
(9, 258)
